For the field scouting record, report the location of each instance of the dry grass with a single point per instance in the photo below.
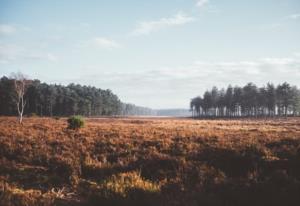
(150, 161)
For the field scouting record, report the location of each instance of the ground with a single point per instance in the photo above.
(150, 161)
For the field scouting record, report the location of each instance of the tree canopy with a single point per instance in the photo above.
(57, 100)
(249, 100)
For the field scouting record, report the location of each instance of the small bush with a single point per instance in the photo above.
(123, 184)
(75, 122)
(56, 117)
(32, 115)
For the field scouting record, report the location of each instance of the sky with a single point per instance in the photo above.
(157, 54)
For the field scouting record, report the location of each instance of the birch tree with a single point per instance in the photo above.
(21, 84)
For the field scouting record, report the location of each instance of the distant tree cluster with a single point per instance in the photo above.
(131, 109)
(250, 100)
(174, 112)
(56, 100)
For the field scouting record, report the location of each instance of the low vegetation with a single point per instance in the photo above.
(126, 161)
(75, 122)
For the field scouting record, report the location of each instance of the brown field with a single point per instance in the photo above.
(150, 161)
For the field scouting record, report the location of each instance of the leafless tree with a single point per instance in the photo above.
(21, 84)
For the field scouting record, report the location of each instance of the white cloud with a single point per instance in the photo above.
(293, 16)
(6, 29)
(174, 86)
(297, 54)
(209, 71)
(150, 26)
(41, 56)
(52, 57)
(201, 3)
(278, 25)
(105, 43)
(272, 26)
(10, 53)
(278, 61)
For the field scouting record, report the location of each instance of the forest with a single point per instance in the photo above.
(57, 100)
(248, 101)
(42, 99)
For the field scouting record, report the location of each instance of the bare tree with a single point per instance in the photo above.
(21, 84)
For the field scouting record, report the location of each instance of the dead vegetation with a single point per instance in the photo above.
(150, 162)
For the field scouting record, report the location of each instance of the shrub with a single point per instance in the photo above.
(75, 122)
(32, 115)
(123, 184)
(56, 117)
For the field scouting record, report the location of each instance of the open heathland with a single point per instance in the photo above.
(150, 161)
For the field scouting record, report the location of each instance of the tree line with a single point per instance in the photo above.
(44, 99)
(248, 101)
(131, 109)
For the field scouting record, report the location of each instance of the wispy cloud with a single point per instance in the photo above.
(293, 16)
(6, 29)
(105, 43)
(99, 42)
(42, 56)
(279, 61)
(148, 27)
(281, 22)
(201, 3)
(10, 53)
(174, 86)
(211, 71)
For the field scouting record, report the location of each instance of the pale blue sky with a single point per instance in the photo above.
(152, 53)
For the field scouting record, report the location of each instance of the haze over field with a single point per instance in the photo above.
(155, 54)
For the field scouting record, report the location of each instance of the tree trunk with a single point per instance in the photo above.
(20, 119)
